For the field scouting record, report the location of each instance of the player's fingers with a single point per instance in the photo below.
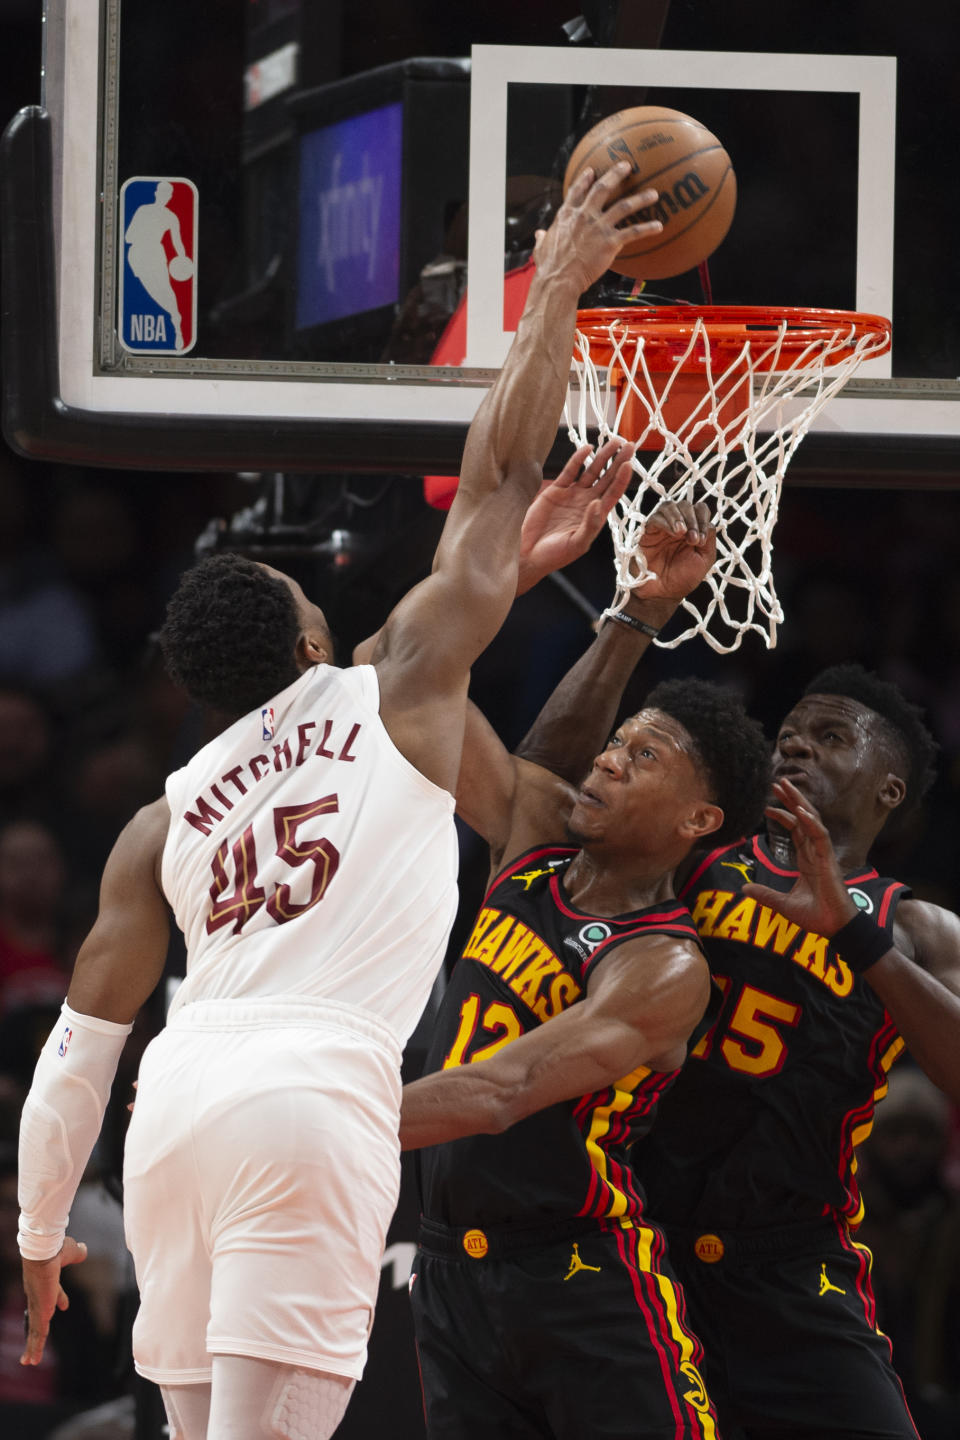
(643, 231)
(591, 523)
(613, 484)
(805, 823)
(598, 510)
(810, 822)
(708, 547)
(766, 896)
(37, 1331)
(688, 516)
(570, 473)
(597, 463)
(786, 818)
(810, 835)
(627, 206)
(73, 1252)
(604, 463)
(702, 511)
(667, 516)
(813, 838)
(63, 1300)
(582, 186)
(786, 791)
(603, 188)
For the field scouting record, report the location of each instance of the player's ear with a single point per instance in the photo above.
(893, 791)
(702, 820)
(313, 648)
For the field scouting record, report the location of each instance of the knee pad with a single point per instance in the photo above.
(309, 1404)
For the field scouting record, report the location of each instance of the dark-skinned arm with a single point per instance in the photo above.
(117, 969)
(427, 646)
(573, 727)
(919, 983)
(917, 978)
(641, 1006)
(120, 963)
(569, 512)
(565, 517)
(680, 547)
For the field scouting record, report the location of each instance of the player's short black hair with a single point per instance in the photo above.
(230, 634)
(913, 748)
(732, 750)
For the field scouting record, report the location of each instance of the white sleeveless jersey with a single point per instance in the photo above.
(306, 856)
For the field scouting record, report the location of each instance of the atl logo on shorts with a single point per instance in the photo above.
(158, 265)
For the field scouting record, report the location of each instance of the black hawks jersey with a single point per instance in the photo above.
(761, 1127)
(529, 957)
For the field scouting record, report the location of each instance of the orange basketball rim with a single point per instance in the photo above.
(673, 367)
(717, 399)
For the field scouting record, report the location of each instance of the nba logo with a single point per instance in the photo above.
(266, 723)
(158, 266)
(65, 1039)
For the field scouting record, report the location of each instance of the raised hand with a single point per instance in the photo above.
(819, 900)
(45, 1294)
(592, 226)
(679, 546)
(568, 513)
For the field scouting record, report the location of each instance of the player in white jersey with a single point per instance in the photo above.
(308, 855)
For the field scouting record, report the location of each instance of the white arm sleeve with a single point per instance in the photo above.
(60, 1124)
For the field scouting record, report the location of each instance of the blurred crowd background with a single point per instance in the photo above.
(90, 725)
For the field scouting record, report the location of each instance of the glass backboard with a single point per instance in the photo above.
(291, 235)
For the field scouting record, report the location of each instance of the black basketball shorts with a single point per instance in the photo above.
(787, 1320)
(570, 1332)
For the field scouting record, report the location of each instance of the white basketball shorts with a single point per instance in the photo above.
(261, 1170)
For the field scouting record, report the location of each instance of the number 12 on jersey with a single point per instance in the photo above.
(235, 907)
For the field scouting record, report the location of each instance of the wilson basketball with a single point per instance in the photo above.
(674, 155)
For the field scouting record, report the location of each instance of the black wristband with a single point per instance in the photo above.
(861, 942)
(623, 619)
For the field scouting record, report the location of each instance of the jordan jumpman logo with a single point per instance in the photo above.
(825, 1284)
(577, 1264)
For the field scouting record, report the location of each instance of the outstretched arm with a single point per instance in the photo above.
(565, 517)
(434, 635)
(118, 967)
(917, 975)
(640, 1009)
(568, 513)
(561, 524)
(573, 726)
(578, 718)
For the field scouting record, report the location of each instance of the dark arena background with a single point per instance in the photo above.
(104, 501)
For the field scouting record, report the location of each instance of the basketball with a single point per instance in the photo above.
(674, 155)
(181, 267)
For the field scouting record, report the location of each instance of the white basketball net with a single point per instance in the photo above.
(738, 471)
